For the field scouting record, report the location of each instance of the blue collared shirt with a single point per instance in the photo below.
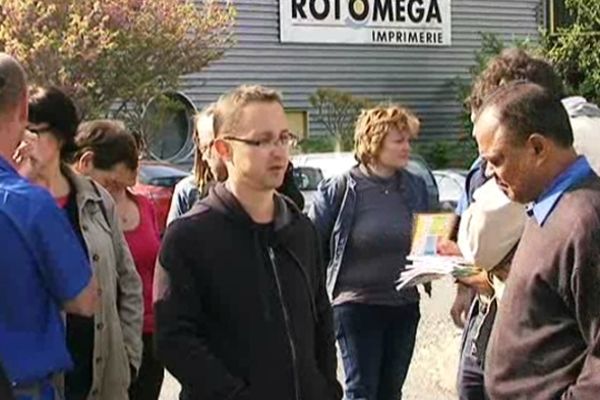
(475, 178)
(545, 204)
(42, 265)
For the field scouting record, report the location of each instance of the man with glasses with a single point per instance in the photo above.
(242, 311)
(43, 269)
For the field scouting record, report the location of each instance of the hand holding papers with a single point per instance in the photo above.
(425, 264)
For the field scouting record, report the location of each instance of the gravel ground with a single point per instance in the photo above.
(432, 374)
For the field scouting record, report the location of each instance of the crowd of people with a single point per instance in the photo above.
(245, 296)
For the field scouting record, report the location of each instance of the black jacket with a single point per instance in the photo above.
(290, 189)
(245, 315)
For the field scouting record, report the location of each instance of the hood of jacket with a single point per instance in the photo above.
(222, 200)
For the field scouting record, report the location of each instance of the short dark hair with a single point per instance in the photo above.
(511, 65)
(524, 108)
(52, 107)
(110, 141)
(12, 83)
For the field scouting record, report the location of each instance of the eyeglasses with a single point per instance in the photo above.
(286, 140)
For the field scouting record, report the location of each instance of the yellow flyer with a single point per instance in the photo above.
(428, 229)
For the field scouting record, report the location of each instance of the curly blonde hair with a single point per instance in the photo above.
(374, 124)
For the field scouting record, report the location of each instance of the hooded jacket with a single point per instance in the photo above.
(245, 314)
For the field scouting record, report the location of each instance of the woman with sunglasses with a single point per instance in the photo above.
(107, 348)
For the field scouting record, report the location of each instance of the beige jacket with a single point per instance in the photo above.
(118, 321)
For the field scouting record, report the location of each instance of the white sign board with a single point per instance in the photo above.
(391, 22)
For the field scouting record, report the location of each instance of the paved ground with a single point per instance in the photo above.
(432, 374)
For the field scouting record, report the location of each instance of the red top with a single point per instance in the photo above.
(62, 201)
(144, 242)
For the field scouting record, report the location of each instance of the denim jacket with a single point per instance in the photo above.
(332, 212)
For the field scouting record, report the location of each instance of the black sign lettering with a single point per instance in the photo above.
(319, 15)
(434, 12)
(400, 10)
(383, 10)
(416, 11)
(355, 10)
(298, 9)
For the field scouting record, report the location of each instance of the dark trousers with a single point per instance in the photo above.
(150, 376)
(472, 355)
(376, 343)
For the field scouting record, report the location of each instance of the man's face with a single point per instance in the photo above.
(260, 158)
(513, 165)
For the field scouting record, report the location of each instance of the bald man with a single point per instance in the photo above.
(43, 269)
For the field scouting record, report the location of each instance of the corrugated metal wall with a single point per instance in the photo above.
(414, 76)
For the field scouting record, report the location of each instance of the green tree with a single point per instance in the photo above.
(575, 49)
(113, 56)
(337, 111)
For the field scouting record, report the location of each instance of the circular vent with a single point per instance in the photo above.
(168, 127)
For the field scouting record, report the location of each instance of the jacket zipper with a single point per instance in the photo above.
(286, 317)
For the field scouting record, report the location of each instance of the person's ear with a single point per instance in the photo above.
(539, 145)
(85, 163)
(223, 149)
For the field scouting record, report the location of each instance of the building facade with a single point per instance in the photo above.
(417, 76)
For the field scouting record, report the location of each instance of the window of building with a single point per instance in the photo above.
(298, 120)
(557, 16)
(168, 127)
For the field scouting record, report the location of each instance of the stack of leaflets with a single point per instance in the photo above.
(424, 265)
(425, 269)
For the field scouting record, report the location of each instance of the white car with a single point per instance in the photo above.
(333, 164)
(451, 184)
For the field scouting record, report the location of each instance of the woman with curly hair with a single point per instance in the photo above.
(365, 218)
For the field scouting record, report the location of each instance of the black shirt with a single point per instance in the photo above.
(80, 330)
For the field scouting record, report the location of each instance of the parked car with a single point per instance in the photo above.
(451, 183)
(332, 164)
(156, 181)
(307, 179)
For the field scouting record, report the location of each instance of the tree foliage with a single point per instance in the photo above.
(337, 111)
(107, 52)
(575, 49)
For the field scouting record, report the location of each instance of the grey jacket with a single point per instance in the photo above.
(118, 320)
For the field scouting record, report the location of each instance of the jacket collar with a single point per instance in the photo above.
(85, 189)
(545, 204)
(223, 201)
